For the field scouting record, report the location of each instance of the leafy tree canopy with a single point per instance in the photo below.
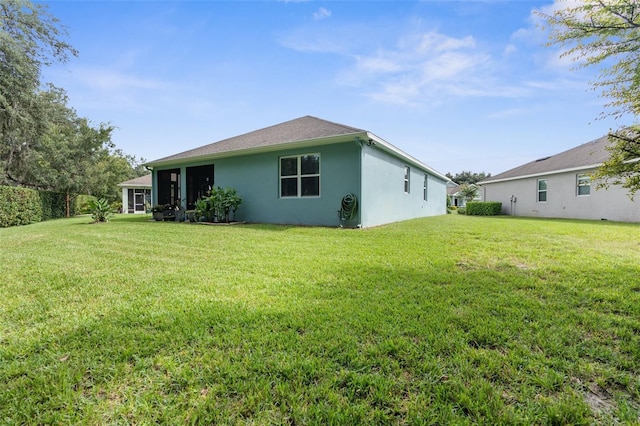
(30, 39)
(605, 34)
(467, 177)
(43, 143)
(468, 191)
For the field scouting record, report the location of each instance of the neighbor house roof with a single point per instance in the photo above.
(300, 132)
(139, 181)
(585, 156)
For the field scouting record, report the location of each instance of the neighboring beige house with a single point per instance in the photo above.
(136, 194)
(456, 198)
(560, 186)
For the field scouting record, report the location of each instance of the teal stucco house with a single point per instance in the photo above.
(299, 172)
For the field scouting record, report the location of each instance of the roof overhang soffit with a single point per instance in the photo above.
(386, 146)
(549, 173)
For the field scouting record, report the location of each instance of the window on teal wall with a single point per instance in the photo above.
(300, 176)
(407, 174)
(425, 187)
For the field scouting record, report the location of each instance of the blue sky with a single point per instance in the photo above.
(460, 85)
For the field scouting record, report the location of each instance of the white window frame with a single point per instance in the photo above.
(539, 191)
(583, 180)
(298, 176)
(407, 179)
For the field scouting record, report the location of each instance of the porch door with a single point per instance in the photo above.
(199, 183)
(169, 186)
(139, 201)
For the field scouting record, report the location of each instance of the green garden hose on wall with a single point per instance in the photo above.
(348, 207)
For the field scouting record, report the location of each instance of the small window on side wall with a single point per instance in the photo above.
(583, 184)
(407, 175)
(425, 187)
(542, 190)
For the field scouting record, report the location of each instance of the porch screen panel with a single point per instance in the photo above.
(200, 181)
(130, 201)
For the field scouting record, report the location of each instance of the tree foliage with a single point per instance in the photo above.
(467, 177)
(43, 142)
(606, 34)
(30, 39)
(622, 167)
(468, 192)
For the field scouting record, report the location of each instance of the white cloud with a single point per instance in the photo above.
(378, 64)
(509, 49)
(508, 113)
(538, 34)
(435, 42)
(322, 13)
(112, 81)
(421, 67)
(318, 41)
(96, 88)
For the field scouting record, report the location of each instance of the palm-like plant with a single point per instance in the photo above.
(101, 210)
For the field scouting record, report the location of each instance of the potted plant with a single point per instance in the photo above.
(158, 212)
(179, 211)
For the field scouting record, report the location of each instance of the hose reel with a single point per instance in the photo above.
(348, 207)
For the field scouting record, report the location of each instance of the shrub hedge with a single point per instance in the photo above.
(484, 208)
(83, 203)
(54, 205)
(22, 206)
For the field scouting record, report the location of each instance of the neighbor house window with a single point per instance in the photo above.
(407, 173)
(425, 187)
(584, 184)
(542, 190)
(300, 176)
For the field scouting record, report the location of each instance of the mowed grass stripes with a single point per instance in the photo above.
(446, 320)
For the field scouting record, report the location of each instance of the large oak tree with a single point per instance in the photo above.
(30, 39)
(43, 143)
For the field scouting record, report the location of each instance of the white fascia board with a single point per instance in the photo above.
(399, 153)
(308, 143)
(551, 172)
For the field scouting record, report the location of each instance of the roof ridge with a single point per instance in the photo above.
(302, 128)
(584, 155)
(355, 129)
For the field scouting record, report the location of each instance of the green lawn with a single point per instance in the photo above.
(446, 320)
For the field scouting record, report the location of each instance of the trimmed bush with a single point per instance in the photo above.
(22, 206)
(484, 208)
(462, 210)
(19, 206)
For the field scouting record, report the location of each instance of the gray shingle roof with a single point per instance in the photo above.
(139, 181)
(300, 129)
(584, 156)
